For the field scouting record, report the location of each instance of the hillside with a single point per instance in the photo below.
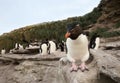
(104, 20)
(108, 24)
(110, 11)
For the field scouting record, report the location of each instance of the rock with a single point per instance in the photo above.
(47, 69)
(65, 76)
(107, 64)
(20, 51)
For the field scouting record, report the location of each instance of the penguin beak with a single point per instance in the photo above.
(67, 34)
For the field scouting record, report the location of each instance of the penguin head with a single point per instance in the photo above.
(73, 30)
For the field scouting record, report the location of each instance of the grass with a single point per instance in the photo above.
(117, 25)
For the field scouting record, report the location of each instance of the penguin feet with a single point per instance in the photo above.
(83, 67)
(74, 67)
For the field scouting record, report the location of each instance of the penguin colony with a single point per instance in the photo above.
(45, 47)
(77, 46)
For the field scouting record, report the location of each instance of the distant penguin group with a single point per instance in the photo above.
(18, 46)
(47, 47)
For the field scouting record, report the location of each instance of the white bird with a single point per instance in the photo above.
(11, 51)
(94, 41)
(77, 47)
(16, 46)
(30, 46)
(3, 51)
(53, 47)
(44, 49)
(21, 47)
(97, 41)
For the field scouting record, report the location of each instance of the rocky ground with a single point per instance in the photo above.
(32, 70)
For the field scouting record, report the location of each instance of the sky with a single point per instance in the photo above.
(15, 14)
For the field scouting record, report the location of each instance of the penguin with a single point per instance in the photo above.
(44, 47)
(94, 41)
(62, 46)
(3, 51)
(11, 51)
(32, 46)
(20, 47)
(77, 46)
(16, 46)
(53, 47)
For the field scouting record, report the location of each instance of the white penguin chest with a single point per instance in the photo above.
(44, 49)
(97, 43)
(78, 48)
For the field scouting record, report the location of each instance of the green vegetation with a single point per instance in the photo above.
(90, 18)
(99, 31)
(6, 42)
(105, 33)
(111, 34)
(117, 25)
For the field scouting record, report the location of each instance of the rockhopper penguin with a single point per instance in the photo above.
(44, 47)
(94, 41)
(77, 46)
